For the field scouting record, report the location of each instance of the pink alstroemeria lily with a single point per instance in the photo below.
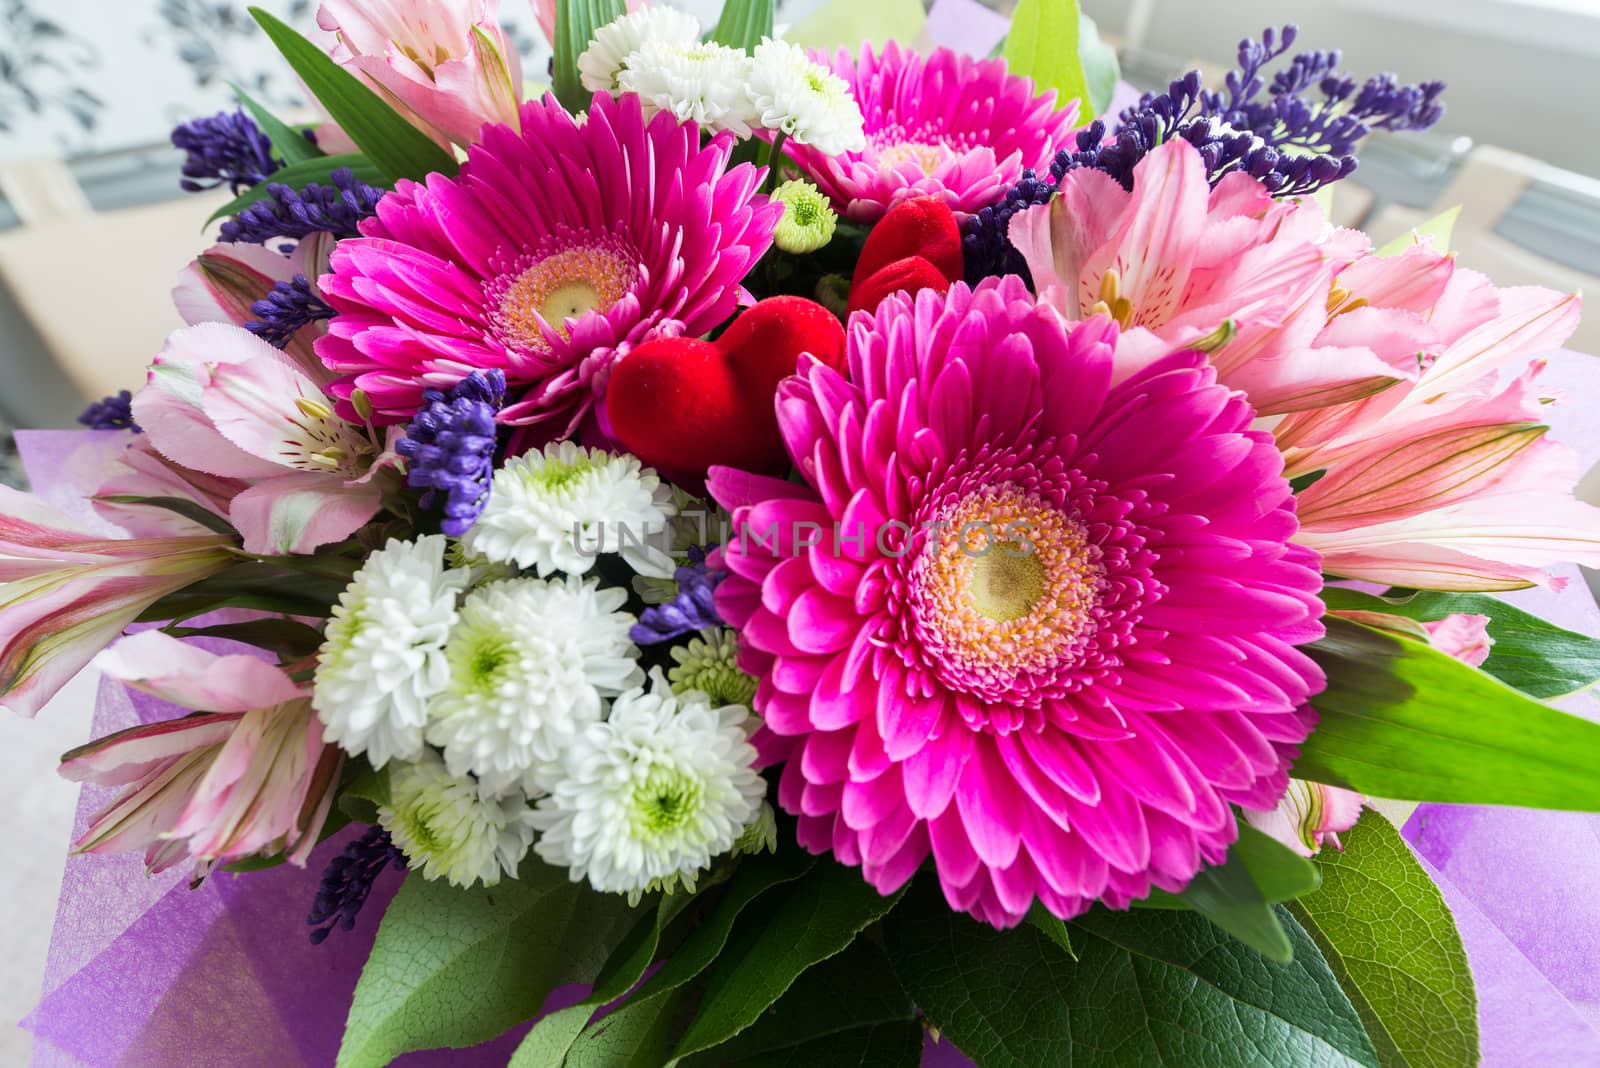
(249, 775)
(67, 590)
(449, 67)
(222, 283)
(225, 403)
(1175, 260)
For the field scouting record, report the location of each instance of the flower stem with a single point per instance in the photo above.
(775, 160)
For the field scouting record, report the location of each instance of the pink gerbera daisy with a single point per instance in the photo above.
(944, 125)
(557, 248)
(1039, 625)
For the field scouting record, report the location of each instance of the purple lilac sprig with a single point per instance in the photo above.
(449, 447)
(1295, 134)
(347, 882)
(290, 306)
(227, 148)
(692, 609)
(336, 208)
(111, 413)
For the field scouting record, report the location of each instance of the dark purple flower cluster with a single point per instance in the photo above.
(347, 882)
(335, 208)
(227, 148)
(290, 306)
(1295, 134)
(449, 447)
(694, 608)
(110, 413)
(984, 245)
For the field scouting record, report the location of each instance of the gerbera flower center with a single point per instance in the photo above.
(924, 146)
(1009, 585)
(540, 292)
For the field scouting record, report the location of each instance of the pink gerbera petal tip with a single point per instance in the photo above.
(1040, 626)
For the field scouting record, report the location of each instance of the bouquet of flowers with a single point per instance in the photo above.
(815, 556)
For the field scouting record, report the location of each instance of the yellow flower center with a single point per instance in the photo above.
(927, 157)
(542, 293)
(1006, 583)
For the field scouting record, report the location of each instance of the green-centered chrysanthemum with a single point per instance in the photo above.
(808, 221)
(448, 829)
(708, 664)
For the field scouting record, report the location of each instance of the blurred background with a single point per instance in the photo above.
(93, 226)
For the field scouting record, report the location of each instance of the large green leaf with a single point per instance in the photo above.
(454, 967)
(1402, 720)
(1043, 45)
(291, 144)
(1538, 658)
(552, 1036)
(397, 148)
(299, 175)
(1387, 934)
(1149, 987)
(576, 21)
(808, 921)
(852, 23)
(849, 1009)
(640, 1033)
(744, 23)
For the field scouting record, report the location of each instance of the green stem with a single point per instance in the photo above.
(775, 160)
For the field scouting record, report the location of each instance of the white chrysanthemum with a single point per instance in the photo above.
(449, 829)
(665, 784)
(383, 653)
(607, 55)
(556, 510)
(804, 100)
(704, 82)
(530, 662)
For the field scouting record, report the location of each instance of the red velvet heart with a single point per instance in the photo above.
(923, 227)
(682, 404)
(910, 275)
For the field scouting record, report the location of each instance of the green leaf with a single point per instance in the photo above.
(1157, 988)
(1100, 69)
(576, 21)
(1402, 720)
(637, 1029)
(1043, 45)
(1387, 934)
(397, 148)
(744, 23)
(1538, 658)
(1279, 873)
(183, 506)
(298, 176)
(288, 638)
(291, 144)
(364, 791)
(1053, 927)
(1440, 227)
(852, 23)
(849, 1009)
(454, 967)
(809, 921)
(1228, 897)
(552, 1036)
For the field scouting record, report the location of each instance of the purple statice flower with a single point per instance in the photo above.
(335, 208)
(227, 148)
(692, 609)
(347, 882)
(449, 447)
(291, 305)
(110, 413)
(1295, 134)
(984, 246)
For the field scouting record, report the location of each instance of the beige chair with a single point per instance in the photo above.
(97, 285)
